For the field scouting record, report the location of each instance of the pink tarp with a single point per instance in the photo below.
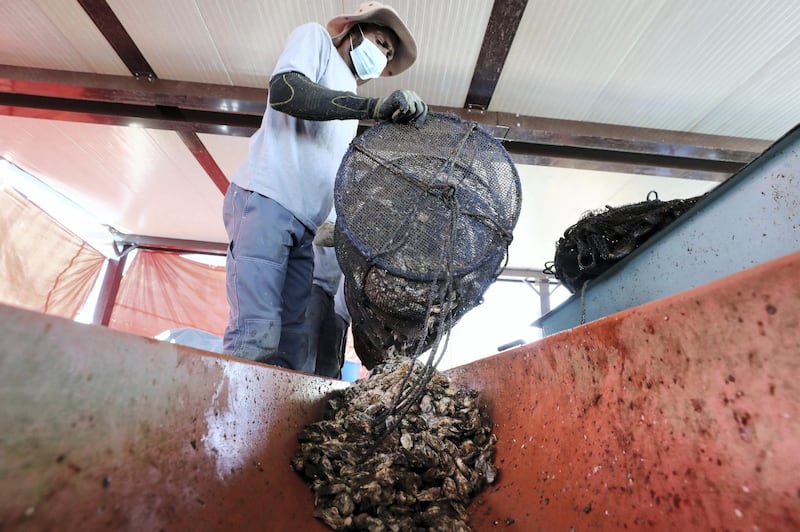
(163, 291)
(46, 268)
(43, 266)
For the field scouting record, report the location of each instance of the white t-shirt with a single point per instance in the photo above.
(295, 161)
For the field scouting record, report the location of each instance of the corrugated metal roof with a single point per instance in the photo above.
(54, 35)
(714, 67)
(717, 67)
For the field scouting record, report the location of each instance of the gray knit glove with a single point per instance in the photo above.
(324, 235)
(401, 106)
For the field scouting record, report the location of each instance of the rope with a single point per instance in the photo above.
(583, 301)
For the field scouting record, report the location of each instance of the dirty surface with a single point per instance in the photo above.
(681, 414)
(105, 430)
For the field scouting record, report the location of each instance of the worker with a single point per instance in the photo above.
(327, 326)
(284, 190)
(326, 329)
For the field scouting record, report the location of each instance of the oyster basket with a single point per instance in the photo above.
(424, 220)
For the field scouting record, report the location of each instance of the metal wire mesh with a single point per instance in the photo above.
(603, 237)
(424, 219)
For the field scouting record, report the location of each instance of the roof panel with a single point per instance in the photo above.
(173, 38)
(137, 180)
(54, 34)
(250, 37)
(666, 65)
(768, 102)
(228, 152)
(565, 53)
(208, 41)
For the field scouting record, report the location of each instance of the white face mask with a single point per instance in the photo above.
(367, 58)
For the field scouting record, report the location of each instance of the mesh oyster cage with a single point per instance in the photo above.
(603, 237)
(424, 220)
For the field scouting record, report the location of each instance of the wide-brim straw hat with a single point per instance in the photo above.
(382, 15)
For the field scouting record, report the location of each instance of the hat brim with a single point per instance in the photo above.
(406, 52)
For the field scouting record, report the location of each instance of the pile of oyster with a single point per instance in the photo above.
(374, 467)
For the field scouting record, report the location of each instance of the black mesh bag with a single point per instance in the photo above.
(603, 237)
(424, 219)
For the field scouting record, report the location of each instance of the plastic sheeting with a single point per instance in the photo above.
(43, 266)
(46, 268)
(162, 291)
(192, 338)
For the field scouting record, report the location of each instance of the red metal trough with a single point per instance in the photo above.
(680, 414)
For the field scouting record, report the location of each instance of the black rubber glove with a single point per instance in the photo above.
(401, 106)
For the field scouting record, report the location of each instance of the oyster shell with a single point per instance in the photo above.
(372, 468)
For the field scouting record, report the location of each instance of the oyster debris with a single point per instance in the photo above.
(419, 473)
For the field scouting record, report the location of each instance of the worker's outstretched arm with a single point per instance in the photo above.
(293, 93)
